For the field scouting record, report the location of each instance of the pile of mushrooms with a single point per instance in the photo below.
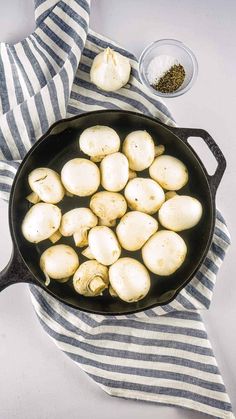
(128, 211)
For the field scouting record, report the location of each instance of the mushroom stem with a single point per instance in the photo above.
(159, 150)
(63, 280)
(96, 159)
(170, 194)
(33, 198)
(67, 193)
(106, 222)
(132, 174)
(112, 291)
(87, 253)
(97, 285)
(81, 238)
(55, 236)
(47, 281)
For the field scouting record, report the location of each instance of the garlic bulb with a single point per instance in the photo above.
(110, 70)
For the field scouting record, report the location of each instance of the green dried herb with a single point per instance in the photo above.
(172, 79)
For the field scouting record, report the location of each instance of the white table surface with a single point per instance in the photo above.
(36, 380)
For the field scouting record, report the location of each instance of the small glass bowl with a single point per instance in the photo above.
(178, 51)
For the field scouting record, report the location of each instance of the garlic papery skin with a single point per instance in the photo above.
(110, 70)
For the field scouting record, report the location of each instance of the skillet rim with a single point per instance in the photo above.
(174, 131)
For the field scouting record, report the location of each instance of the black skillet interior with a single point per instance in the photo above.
(62, 145)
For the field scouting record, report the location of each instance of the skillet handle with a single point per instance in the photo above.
(16, 272)
(185, 133)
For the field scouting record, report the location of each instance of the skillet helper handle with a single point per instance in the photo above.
(15, 272)
(214, 180)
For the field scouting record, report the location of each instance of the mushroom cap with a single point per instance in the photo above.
(46, 183)
(40, 222)
(86, 275)
(144, 195)
(169, 172)
(180, 213)
(104, 245)
(134, 229)
(59, 261)
(80, 177)
(99, 140)
(129, 279)
(164, 252)
(114, 172)
(77, 220)
(108, 206)
(139, 149)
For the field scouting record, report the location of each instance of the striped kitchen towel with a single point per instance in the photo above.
(161, 355)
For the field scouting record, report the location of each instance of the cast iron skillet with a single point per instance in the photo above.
(59, 145)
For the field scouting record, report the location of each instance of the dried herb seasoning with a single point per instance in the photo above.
(171, 80)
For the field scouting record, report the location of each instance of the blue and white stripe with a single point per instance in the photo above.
(161, 355)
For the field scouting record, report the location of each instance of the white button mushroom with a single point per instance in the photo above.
(129, 279)
(180, 213)
(59, 262)
(77, 222)
(139, 149)
(91, 278)
(134, 229)
(114, 172)
(108, 206)
(46, 186)
(99, 141)
(40, 222)
(144, 195)
(169, 172)
(110, 70)
(80, 177)
(104, 245)
(164, 252)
